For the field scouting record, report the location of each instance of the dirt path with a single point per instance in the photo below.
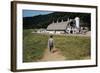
(55, 55)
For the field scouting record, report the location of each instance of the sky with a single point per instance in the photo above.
(29, 13)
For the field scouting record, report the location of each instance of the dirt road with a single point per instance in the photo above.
(55, 55)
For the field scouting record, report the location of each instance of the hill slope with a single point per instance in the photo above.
(42, 21)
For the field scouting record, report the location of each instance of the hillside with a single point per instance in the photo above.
(42, 21)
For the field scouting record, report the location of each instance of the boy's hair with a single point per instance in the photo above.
(51, 36)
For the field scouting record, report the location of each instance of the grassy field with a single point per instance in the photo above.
(33, 46)
(72, 47)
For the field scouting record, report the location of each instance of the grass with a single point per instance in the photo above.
(33, 46)
(72, 47)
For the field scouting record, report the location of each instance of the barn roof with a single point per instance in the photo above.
(58, 26)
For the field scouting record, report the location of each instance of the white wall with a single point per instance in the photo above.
(5, 37)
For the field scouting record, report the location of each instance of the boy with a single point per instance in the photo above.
(50, 43)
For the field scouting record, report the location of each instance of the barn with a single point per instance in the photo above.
(71, 26)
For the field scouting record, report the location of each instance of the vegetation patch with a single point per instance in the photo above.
(72, 47)
(33, 46)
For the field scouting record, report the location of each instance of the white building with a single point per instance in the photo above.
(71, 26)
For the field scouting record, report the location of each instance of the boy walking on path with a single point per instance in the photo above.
(50, 43)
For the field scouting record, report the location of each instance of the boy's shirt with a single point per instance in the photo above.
(50, 42)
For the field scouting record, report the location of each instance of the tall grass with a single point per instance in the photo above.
(72, 47)
(33, 46)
